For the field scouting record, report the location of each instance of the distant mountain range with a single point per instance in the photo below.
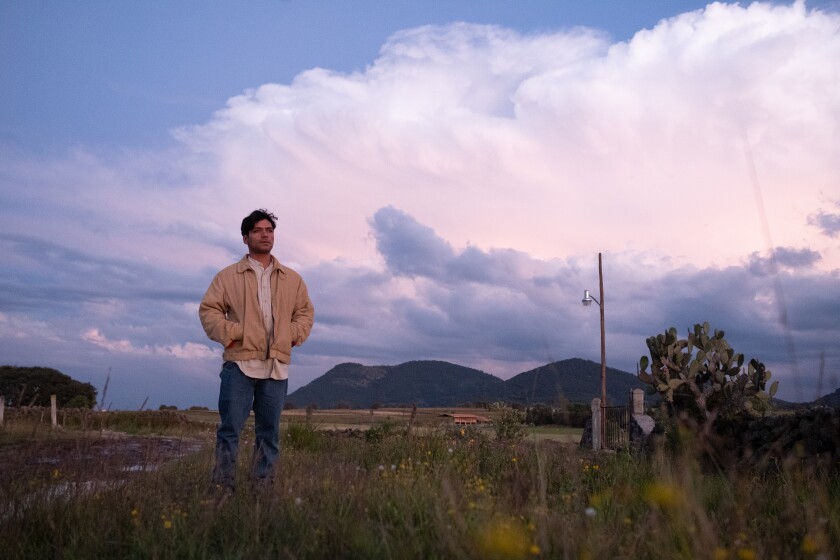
(832, 399)
(439, 384)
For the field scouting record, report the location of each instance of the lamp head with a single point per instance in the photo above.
(587, 299)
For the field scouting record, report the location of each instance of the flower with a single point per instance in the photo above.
(809, 545)
(503, 538)
(590, 512)
(663, 495)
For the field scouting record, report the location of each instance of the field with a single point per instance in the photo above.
(358, 485)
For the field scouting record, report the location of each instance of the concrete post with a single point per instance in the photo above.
(596, 424)
(637, 401)
(53, 415)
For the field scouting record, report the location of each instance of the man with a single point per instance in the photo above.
(258, 310)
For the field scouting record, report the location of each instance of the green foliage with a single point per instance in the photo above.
(707, 384)
(383, 431)
(510, 424)
(572, 414)
(79, 401)
(300, 435)
(25, 386)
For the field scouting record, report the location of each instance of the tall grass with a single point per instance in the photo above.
(445, 493)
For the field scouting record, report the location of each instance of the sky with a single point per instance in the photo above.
(445, 175)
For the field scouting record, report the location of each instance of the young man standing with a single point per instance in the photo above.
(258, 310)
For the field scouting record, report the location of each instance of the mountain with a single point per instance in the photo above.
(572, 380)
(436, 383)
(424, 383)
(832, 400)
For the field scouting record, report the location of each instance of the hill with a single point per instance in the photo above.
(424, 383)
(572, 380)
(437, 383)
(832, 399)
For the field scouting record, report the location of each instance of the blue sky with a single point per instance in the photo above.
(445, 174)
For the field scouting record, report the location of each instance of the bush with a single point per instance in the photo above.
(300, 435)
(79, 401)
(510, 424)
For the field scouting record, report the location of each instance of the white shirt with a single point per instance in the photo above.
(268, 368)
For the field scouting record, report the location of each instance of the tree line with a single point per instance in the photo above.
(32, 386)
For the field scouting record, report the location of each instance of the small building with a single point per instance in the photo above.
(467, 419)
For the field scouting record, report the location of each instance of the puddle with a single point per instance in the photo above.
(80, 467)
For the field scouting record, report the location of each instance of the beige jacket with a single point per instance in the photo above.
(230, 312)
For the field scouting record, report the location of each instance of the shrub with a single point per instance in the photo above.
(509, 424)
(302, 436)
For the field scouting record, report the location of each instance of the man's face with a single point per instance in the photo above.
(260, 240)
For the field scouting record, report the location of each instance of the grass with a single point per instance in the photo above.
(437, 492)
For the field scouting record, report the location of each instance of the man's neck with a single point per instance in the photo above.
(263, 258)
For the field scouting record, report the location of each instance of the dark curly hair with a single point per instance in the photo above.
(257, 215)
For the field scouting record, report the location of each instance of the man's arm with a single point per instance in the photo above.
(303, 315)
(212, 312)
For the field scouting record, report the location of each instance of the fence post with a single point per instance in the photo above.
(53, 416)
(2, 409)
(637, 401)
(596, 424)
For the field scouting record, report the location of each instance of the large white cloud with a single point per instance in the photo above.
(448, 202)
(553, 143)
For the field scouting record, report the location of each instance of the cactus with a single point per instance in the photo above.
(708, 384)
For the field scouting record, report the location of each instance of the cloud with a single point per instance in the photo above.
(784, 257)
(827, 222)
(449, 201)
(531, 314)
(188, 351)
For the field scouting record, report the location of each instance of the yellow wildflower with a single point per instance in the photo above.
(809, 545)
(746, 554)
(663, 495)
(505, 539)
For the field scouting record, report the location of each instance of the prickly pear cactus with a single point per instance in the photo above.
(703, 375)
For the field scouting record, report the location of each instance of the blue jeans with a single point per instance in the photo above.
(238, 395)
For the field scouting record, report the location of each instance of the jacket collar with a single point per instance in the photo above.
(244, 265)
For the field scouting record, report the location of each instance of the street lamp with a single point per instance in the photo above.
(587, 301)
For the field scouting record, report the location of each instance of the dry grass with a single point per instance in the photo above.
(433, 493)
